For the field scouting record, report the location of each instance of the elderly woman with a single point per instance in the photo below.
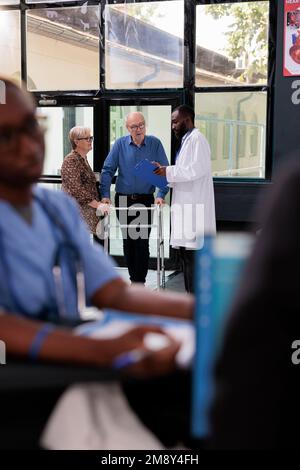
(78, 178)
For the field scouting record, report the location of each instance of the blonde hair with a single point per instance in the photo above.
(76, 133)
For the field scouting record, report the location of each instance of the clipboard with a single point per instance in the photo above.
(144, 170)
(114, 323)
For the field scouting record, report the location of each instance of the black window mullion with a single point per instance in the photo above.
(101, 133)
(23, 9)
(102, 45)
(189, 50)
(271, 79)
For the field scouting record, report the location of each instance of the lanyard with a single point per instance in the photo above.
(70, 247)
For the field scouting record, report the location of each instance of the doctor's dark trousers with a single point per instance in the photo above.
(135, 240)
(188, 261)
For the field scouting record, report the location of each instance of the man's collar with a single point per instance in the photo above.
(130, 141)
(187, 134)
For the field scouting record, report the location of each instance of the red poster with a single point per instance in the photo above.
(291, 59)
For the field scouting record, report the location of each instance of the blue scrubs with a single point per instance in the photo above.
(28, 253)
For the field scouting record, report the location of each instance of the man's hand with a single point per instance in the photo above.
(102, 209)
(159, 201)
(160, 170)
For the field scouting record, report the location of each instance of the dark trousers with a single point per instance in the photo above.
(187, 259)
(135, 240)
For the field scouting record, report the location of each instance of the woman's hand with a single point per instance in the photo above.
(94, 204)
(141, 361)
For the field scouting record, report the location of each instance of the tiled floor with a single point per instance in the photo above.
(151, 280)
(172, 282)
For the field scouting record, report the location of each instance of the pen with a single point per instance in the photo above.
(129, 358)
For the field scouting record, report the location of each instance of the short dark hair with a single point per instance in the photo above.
(186, 111)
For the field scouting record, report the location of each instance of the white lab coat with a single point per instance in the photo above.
(193, 204)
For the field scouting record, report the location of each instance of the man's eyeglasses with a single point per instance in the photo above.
(136, 127)
(88, 139)
(10, 136)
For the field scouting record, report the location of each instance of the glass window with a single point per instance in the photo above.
(65, 42)
(227, 133)
(10, 46)
(144, 45)
(232, 44)
(157, 118)
(57, 123)
(48, 1)
(52, 186)
(241, 135)
(253, 136)
(233, 114)
(209, 127)
(158, 123)
(9, 2)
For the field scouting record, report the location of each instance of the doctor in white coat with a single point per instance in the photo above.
(193, 205)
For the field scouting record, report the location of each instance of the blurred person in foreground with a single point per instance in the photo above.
(257, 378)
(42, 240)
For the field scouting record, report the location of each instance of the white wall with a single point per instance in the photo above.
(10, 45)
(56, 65)
(54, 135)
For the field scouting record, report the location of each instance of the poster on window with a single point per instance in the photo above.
(291, 59)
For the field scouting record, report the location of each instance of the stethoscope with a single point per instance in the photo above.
(65, 249)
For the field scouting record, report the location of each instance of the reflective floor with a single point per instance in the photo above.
(173, 282)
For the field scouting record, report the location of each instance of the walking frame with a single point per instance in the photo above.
(161, 280)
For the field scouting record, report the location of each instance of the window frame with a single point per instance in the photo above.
(252, 88)
(242, 191)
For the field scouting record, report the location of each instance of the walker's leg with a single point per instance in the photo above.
(106, 233)
(158, 247)
(162, 247)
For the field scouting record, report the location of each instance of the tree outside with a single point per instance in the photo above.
(247, 37)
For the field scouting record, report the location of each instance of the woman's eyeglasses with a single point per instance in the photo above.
(88, 139)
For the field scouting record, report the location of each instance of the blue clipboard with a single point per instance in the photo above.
(144, 170)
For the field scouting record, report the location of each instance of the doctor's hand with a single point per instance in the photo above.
(139, 359)
(160, 170)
